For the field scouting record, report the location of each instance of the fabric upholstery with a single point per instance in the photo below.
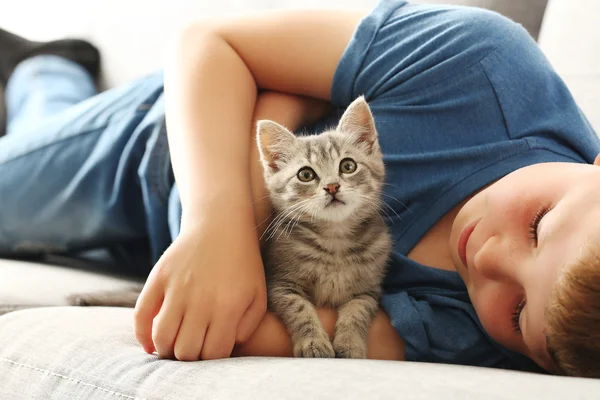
(76, 353)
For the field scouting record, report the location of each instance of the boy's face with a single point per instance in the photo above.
(511, 266)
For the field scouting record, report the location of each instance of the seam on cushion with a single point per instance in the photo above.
(71, 379)
(7, 308)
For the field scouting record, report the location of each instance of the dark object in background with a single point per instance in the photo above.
(528, 13)
(14, 49)
(2, 112)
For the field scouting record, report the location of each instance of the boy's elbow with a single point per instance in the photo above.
(190, 35)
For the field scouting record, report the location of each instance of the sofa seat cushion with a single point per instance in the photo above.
(30, 284)
(91, 353)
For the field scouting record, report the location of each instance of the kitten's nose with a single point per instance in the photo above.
(332, 188)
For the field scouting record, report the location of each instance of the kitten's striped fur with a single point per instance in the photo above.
(321, 254)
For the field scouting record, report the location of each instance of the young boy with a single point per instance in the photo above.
(495, 248)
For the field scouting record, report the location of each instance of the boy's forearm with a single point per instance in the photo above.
(210, 99)
(272, 339)
(212, 109)
(211, 86)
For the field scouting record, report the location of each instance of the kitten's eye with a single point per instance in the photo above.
(347, 166)
(306, 174)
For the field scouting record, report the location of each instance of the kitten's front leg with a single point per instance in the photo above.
(300, 318)
(352, 326)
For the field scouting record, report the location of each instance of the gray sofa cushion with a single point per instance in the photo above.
(28, 284)
(90, 353)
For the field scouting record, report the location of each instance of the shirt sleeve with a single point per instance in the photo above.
(536, 103)
(401, 48)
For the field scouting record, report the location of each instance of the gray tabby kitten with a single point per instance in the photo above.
(327, 245)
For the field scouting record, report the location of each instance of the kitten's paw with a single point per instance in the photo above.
(349, 347)
(314, 347)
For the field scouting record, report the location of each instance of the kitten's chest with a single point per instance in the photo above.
(334, 284)
(332, 268)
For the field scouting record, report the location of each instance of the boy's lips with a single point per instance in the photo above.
(464, 239)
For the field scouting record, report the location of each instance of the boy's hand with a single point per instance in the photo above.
(206, 293)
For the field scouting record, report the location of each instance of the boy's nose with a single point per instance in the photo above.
(495, 261)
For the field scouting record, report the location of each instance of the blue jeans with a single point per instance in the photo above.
(80, 170)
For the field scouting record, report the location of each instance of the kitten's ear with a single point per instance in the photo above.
(274, 143)
(358, 122)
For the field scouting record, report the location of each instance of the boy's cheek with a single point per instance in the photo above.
(494, 316)
(491, 325)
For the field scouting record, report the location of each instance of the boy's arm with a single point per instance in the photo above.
(211, 85)
(207, 291)
(271, 339)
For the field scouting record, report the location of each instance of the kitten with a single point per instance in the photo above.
(327, 245)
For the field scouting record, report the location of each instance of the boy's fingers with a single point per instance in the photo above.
(250, 320)
(147, 306)
(166, 326)
(190, 337)
(219, 340)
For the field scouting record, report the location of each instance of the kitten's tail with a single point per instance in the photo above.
(109, 298)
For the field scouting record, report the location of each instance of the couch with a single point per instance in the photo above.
(51, 351)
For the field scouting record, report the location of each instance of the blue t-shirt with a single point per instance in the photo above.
(461, 97)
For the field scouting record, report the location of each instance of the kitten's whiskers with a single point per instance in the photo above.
(277, 221)
(374, 206)
(384, 204)
(315, 209)
(282, 218)
(263, 221)
(299, 213)
(392, 197)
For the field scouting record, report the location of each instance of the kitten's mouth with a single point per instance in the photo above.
(335, 203)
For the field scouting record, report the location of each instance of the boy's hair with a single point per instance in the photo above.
(573, 318)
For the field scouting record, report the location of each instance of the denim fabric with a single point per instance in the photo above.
(81, 171)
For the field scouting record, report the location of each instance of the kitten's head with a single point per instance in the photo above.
(332, 176)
